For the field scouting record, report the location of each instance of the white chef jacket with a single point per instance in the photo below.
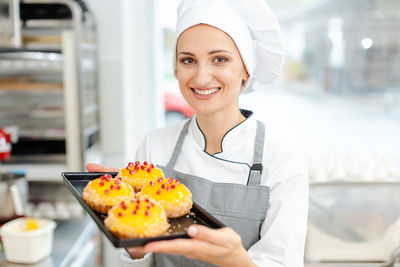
(284, 229)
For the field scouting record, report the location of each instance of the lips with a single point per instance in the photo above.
(206, 92)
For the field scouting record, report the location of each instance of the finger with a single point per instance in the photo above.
(94, 167)
(220, 237)
(136, 252)
(191, 248)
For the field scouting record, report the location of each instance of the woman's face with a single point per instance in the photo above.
(209, 69)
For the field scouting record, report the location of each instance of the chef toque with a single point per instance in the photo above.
(252, 26)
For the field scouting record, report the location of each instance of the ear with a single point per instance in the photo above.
(246, 77)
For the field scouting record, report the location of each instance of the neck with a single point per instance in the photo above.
(215, 126)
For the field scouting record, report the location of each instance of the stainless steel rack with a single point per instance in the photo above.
(48, 86)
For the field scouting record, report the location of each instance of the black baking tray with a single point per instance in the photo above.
(76, 182)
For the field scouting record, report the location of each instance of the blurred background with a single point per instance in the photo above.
(84, 81)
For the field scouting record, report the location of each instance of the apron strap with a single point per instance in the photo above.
(257, 167)
(255, 170)
(178, 145)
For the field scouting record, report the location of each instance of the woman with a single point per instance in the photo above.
(224, 48)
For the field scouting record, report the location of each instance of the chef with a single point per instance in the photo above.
(227, 158)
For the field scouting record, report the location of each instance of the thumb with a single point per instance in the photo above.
(94, 167)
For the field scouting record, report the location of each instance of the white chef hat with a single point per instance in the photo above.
(252, 26)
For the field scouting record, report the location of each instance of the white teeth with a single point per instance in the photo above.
(206, 92)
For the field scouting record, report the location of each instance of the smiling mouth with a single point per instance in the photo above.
(206, 91)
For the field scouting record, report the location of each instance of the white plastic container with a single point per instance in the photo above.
(21, 246)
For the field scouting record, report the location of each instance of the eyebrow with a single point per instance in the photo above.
(210, 53)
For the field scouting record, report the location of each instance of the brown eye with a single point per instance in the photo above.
(220, 59)
(187, 61)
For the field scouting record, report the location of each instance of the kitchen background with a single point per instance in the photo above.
(84, 81)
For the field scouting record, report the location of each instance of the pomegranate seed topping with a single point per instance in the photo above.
(152, 204)
(177, 182)
(122, 203)
(152, 183)
(101, 183)
(138, 201)
(108, 179)
(148, 206)
(107, 191)
(102, 178)
(132, 172)
(149, 170)
(134, 212)
(151, 166)
(173, 186)
(118, 187)
(137, 163)
(147, 213)
(170, 180)
(163, 186)
(130, 163)
(137, 206)
(147, 200)
(112, 187)
(160, 179)
(120, 214)
(158, 191)
(107, 175)
(169, 189)
(143, 167)
(117, 181)
(145, 163)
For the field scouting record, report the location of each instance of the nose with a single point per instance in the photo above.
(203, 76)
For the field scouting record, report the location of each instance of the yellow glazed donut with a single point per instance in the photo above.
(137, 175)
(104, 192)
(137, 218)
(173, 196)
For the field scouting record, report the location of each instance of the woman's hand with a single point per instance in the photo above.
(93, 167)
(222, 247)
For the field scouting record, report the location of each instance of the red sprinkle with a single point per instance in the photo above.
(120, 214)
(149, 170)
(170, 180)
(173, 186)
(152, 183)
(137, 163)
(138, 201)
(132, 172)
(142, 167)
(152, 204)
(160, 179)
(102, 178)
(163, 186)
(101, 183)
(158, 191)
(148, 206)
(130, 163)
(118, 187)
(107, 191)
(112, 187)
(107, 175)
(152, 166)
(117, 180)
(169, 189)
(147, 200)
(134, 212)
(147, 213)
(108, 178)
(177, 182)
(145, 163)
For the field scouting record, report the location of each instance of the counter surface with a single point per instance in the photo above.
(70, 237)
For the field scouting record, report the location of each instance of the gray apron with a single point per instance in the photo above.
(241, 207)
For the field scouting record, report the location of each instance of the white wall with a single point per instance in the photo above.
(130, 101)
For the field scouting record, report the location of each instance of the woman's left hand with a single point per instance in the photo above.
(222, 247)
